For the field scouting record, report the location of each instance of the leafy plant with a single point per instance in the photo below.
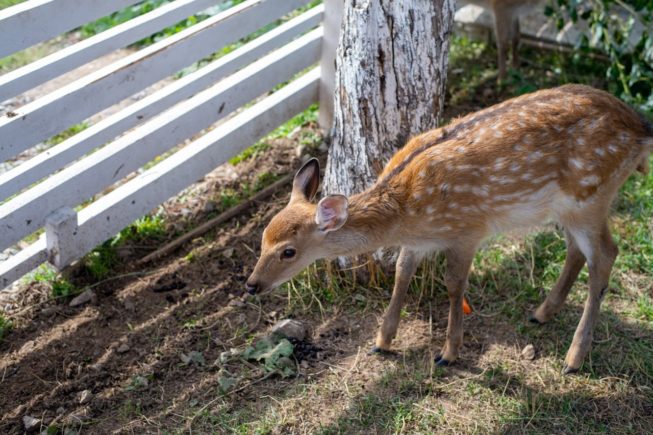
(275, 355)
(612, 24)
(5, 327)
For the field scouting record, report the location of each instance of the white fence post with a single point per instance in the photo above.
(332, 22)
(60, 231)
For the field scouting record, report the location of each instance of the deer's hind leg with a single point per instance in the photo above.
(554, 301)
(405, 269)
(600, 250)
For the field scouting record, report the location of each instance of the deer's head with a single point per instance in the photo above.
(295, 237)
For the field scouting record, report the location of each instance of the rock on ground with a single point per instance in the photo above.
(290, 328)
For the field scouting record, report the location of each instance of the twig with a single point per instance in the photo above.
(206, 226)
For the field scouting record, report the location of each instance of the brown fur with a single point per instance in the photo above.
(558, 154)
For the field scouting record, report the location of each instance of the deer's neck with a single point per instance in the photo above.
(371, 224)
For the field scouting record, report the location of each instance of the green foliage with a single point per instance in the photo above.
(7, 3)
(71, 131)
(301, 120)
(101, 261)
(62, 288)
(5, 327)
(611, 24)
(274, 354)
(144, 7)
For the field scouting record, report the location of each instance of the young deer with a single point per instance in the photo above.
(506, 26)
(557, 154)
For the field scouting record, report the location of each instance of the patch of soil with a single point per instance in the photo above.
(125, 348)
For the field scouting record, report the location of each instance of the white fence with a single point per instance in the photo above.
(42, 192)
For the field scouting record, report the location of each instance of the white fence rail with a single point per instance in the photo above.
(42, 192)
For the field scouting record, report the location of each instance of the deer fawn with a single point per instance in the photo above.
(558, 154)
(506, 26)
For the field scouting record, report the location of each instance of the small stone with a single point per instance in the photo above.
(129, 305)
(290, 328)
(27, 347)
(209, 206)
(84, 298)
(123, 348)
(61, 410)
(236, 303)
(528, 352)
(81, 415)
(85, 397)
(31, 423)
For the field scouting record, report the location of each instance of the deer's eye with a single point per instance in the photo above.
(288, 253)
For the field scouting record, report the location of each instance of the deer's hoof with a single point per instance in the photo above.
(376, 350)
(533, 319)
(441, 362)
(567, 370)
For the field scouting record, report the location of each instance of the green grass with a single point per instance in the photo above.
(307, 138)
(492, 390)
(5, 327)
(7, 3)
(68, 133)
(48, 275)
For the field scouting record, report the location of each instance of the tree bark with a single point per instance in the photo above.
(391, 67)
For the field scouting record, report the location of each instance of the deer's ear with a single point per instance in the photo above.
(331, 212)
(307, 181)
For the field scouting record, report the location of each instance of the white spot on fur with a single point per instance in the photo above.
(452, 205)
(612, 148)
(580, 140)
(599, 152)
(551, 160)
(515, 167)
(460, 149)
(534, 156)
(576, 163)
(429, 190)
(526, 176)
(481, 191)
(430, 209)
(499, 162)
(590, 180)
(546, 177)
(422, 173)
(411, 212)
(417, 195)
(445, 228)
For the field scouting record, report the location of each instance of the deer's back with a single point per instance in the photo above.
(522, 160)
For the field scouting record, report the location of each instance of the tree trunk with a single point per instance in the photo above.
(391, 67)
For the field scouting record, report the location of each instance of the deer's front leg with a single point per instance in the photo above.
(458, 264)
(405, 268)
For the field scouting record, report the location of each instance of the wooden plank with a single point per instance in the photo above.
(25, 213)
(332, 25)
(60, 155)
(23, 262)
(62, 61)
(107, 216)
(30, 22)
(54, 112)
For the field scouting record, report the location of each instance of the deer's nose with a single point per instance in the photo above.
(252, 287)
